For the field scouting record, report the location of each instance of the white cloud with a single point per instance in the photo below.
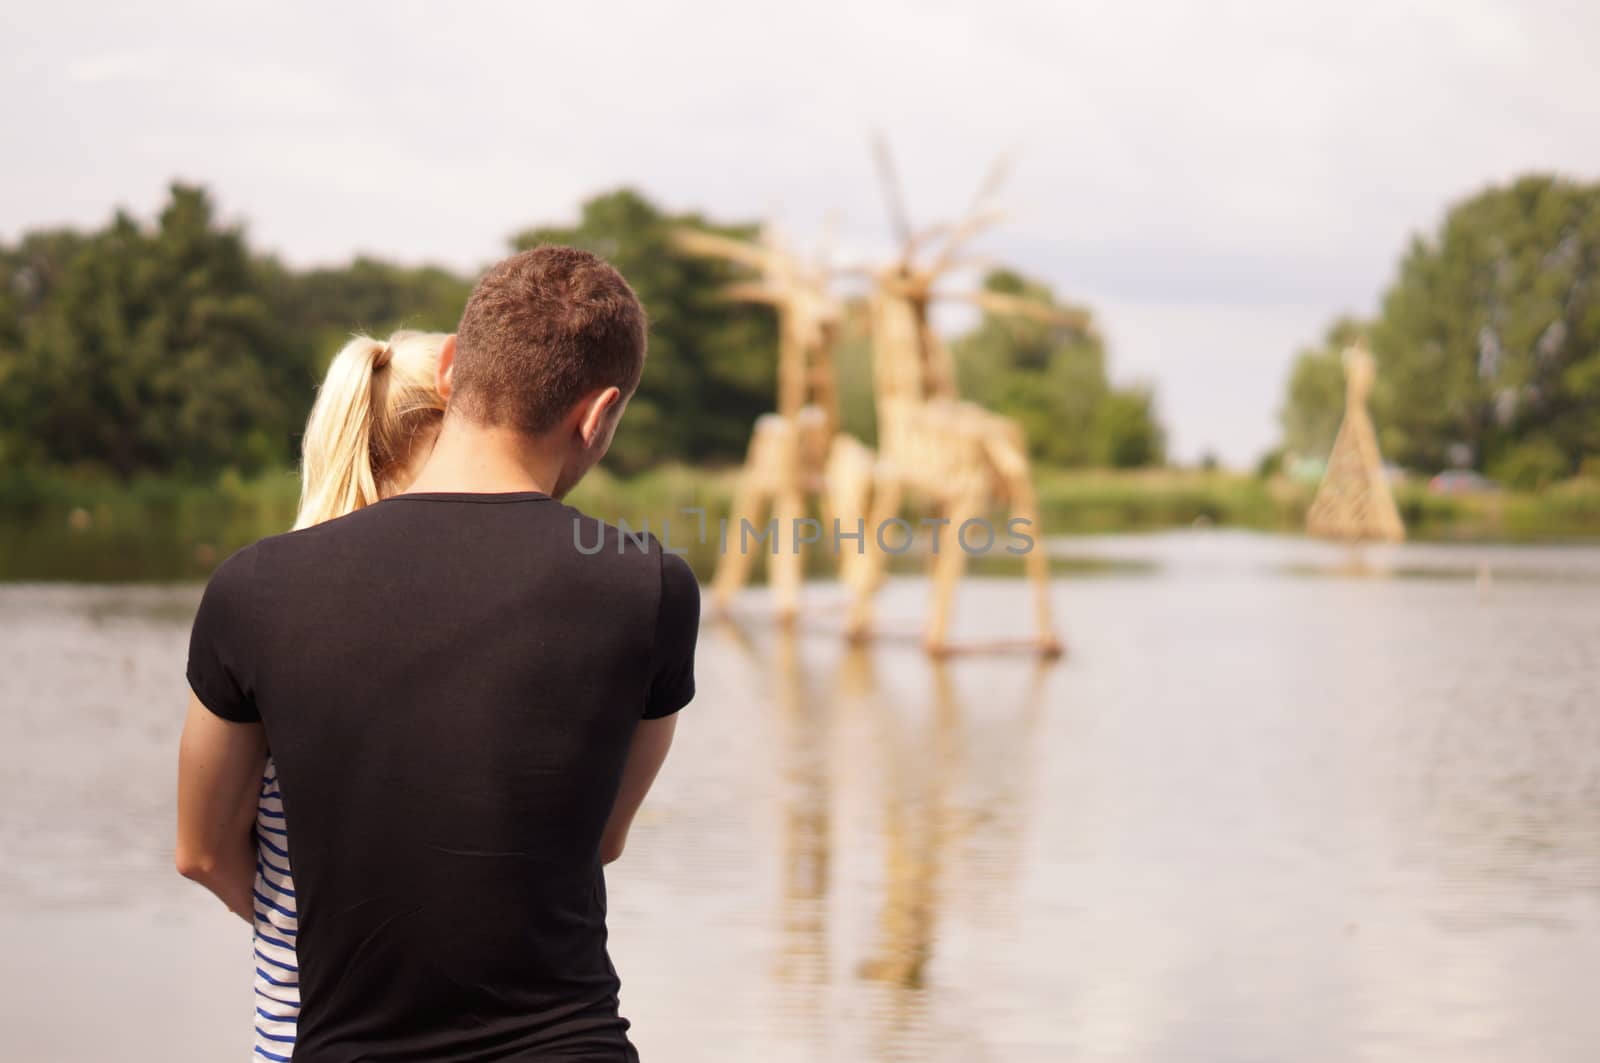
(1221, 179)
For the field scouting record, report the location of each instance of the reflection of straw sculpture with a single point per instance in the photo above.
(803, 961)
(1354, 502)
(798, 452)
(954, 791)
(999, 769)
(917, 826)
(959, 459)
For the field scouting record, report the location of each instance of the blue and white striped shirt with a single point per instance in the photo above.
(276, 926)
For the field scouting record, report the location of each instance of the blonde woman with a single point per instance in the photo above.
(373, 425)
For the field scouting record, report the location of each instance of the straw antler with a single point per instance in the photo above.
(893, 198)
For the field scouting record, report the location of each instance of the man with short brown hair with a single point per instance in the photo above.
(543, 329)
(465, 709)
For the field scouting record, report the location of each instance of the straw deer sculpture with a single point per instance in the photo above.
(955, 458)
(797, 453)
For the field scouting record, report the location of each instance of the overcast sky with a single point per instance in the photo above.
(1217, 180)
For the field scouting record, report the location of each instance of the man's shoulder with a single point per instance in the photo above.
(677, 578)
(593, 537)
(270, 546)
(233, 579)
(276, 556)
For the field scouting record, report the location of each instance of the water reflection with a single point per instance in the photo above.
(804, 713)
(916, 762)
(935, 788)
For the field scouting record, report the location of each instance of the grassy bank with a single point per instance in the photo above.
(56, 527)
(1077, 502)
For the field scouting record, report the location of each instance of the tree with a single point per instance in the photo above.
(712, 362)
(1129, 429)
(171, 348)
(328, 304)
(1489, 339)
(29, 276)
(154, 351)
(1315, 404)
(1053, 380)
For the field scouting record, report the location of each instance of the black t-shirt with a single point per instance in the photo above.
(449, 684)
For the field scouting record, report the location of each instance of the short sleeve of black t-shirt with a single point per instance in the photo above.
(677, 627)
(220, 641)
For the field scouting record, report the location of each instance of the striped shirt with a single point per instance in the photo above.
(276, 925)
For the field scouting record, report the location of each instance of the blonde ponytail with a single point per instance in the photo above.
(373, 407)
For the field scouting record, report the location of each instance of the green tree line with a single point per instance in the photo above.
(1487, 343)
(1053, 380)
(169, 347)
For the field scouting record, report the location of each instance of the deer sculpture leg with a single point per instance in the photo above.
(949, 563)
(1010, 458)
(786, 567)
(750, 501)
(848, 478)
(1025, 506)
(867, 571)
(733, 565)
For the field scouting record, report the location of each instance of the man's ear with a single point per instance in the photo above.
(447, 363)
(592, 424)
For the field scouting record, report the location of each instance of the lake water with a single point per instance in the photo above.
(1278, 803)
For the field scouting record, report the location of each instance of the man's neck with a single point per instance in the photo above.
(471, 458)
